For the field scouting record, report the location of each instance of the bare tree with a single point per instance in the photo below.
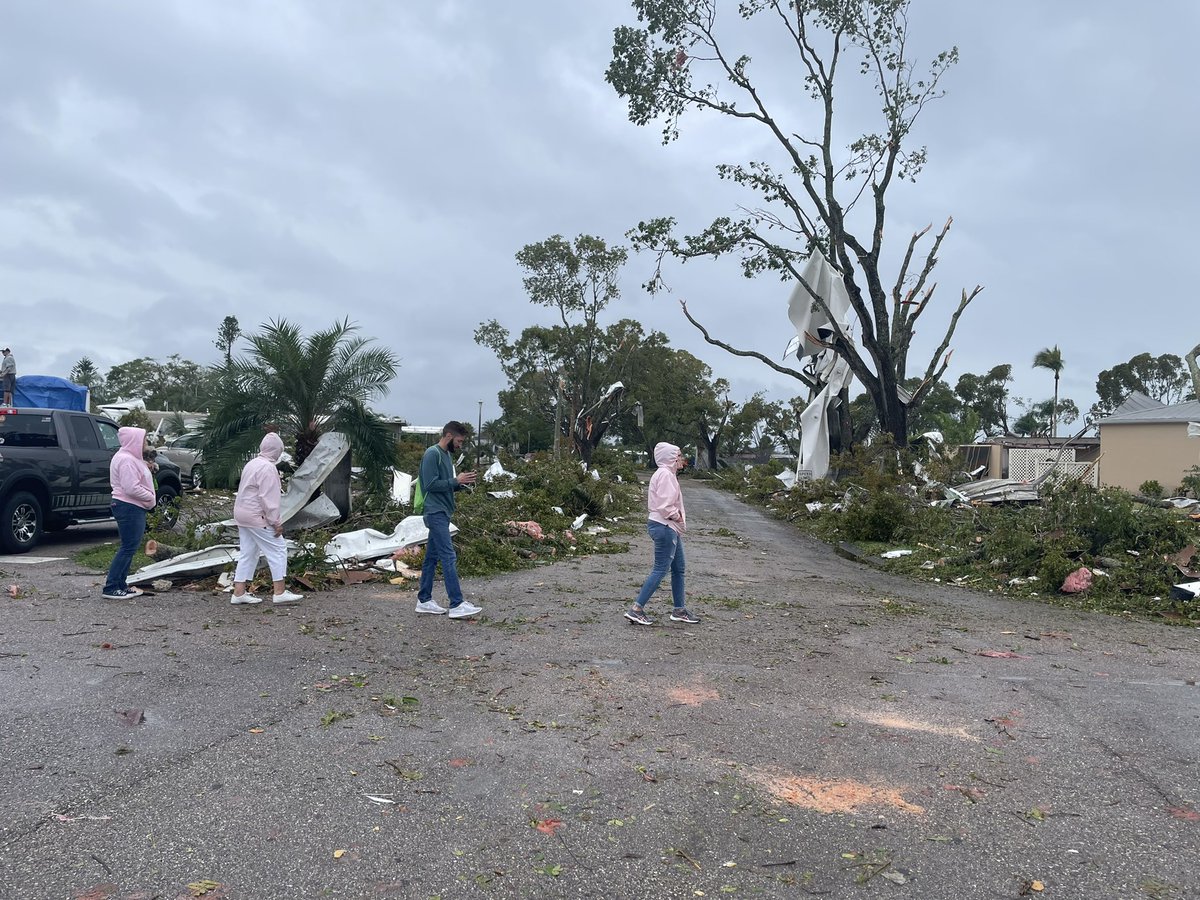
(823, 196)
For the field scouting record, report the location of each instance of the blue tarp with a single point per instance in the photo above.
(49, 392)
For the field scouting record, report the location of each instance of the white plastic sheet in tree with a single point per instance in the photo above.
(814, 328)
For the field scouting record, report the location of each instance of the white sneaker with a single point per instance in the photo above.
(287, 597)
(244, 598)
(464, 610)
(431, 606)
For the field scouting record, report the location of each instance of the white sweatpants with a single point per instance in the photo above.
(256, 542)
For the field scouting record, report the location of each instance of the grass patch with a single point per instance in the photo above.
(101, 556)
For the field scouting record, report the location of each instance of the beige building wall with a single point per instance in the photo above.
(1153, 451)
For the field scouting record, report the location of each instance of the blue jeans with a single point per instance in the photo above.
(131, 525)
(439, 549)
(668, 554)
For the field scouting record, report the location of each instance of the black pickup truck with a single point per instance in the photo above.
(54, 473)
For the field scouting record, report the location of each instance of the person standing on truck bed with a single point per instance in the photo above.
(8, 373)
(132, 495)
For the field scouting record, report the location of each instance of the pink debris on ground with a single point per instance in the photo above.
(533, 529)
(1078, 581)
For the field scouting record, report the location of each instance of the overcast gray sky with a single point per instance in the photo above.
(166, 163)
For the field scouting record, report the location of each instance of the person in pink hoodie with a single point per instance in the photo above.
(260, 529)
(132, 495)
(667, 523)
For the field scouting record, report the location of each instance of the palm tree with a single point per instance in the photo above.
(1051, 358)
(302, 388)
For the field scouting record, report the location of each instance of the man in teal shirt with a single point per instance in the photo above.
(439, 483)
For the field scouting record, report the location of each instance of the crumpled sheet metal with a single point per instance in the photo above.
(331, 449)
(320, 511)
(998, 490)
(194, 564)
(367, 544)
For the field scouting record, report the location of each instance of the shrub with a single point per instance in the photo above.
(136, 418)
(1190, 486)
(1151, 489)
(880, 517)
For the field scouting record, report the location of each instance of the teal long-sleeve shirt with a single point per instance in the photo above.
(438, 480)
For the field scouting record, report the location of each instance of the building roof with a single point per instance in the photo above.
(1039, 442)
(1176, 412)
(1136, 402)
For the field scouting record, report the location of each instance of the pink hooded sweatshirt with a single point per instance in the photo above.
(665, 500)
(259, 492)
(128, 475)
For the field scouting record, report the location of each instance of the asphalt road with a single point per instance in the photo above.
(826, 730)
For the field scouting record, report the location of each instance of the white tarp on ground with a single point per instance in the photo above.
(195, 563)
(353, 546)
(814, 329)
(367, 543)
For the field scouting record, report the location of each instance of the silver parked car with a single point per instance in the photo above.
(185, 452)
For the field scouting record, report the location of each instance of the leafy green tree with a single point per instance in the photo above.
(1037, 418)
(227, 334)
(684, 57)
(941, 405)
(175, 384)
(1165, 378)
(987, 395)
(760, 426)
(956, 429)
(781, 423)
(681, 401)
(303, 387)
(577, 279)
(527, 413)
(85, 372)
(136, 418)
(1051, 358)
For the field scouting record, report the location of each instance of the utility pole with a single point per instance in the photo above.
(479, 436)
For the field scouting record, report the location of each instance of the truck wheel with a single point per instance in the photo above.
(21, 522)
(167, 506)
